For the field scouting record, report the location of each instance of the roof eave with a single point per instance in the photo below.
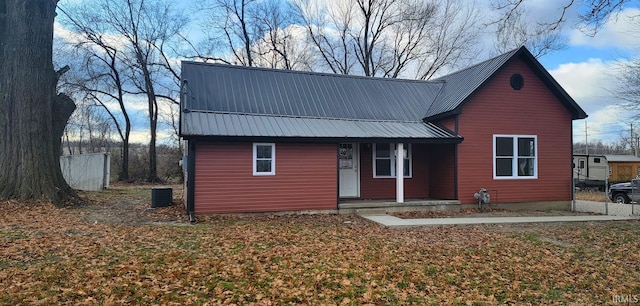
(222, 138)
(446, 115)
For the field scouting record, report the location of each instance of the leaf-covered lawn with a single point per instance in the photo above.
(59, 256)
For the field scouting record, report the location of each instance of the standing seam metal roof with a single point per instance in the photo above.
(236, 89)
(202, 123)
(248, 101)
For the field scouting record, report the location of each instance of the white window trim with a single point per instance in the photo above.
(515, 158)
(393, 161)
(273, 159)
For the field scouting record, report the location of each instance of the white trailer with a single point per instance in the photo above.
(590, 171)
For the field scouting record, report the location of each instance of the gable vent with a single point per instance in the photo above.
(517, 81)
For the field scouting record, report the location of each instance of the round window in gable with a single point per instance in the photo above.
(517, 81)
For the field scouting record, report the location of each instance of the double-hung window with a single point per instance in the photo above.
(264, 159)
(384, 160)
(515, 157)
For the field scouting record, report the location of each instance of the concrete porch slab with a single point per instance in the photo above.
(376, 207)
(391, 221)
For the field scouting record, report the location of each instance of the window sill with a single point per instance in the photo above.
(264, 174)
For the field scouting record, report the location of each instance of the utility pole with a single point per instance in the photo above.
(634, 146)
(586, 142)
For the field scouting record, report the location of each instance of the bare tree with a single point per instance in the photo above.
(378, 17)
(233, 31)
(591, 15)
(32, 115)
(170, 117)
(620, 146)
(88, 131)
(328, 31)
(252, 33)
(513, 30)
(627, 88)
(145, 27)
(280, 45)
(451, 39)
(389, 38)
(100, 74)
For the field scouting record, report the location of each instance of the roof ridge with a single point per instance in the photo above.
(435, 98)
(315, 73)
(511, 53)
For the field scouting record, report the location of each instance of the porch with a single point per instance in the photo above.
(369, 171)
(368, 207)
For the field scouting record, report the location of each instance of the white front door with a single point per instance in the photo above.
(348, 163)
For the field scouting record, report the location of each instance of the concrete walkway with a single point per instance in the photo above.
(391, 221)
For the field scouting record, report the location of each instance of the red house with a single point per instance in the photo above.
(263, 140)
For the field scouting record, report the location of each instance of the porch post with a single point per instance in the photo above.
(400, 173)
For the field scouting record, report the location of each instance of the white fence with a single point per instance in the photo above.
(86, 171)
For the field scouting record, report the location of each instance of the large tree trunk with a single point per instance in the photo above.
(153, 122)
(32, 116)
(124, 174)
(124, 168)
(153, 118)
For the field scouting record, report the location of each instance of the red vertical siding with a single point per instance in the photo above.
(498, 109)
(306, 178)
(385, 188)
(442, 173)
(449, 123)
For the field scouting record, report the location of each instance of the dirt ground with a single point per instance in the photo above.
(126, 204)
(597, 196)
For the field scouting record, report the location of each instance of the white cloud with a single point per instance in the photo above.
(620, 31)
(133, 104)
(59, 31)
(589, 83)
(68, 36)
(163, 136)
(607, 124)
(550, 11)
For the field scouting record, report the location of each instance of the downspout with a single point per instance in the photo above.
(455, 163)
(191, 177)
(337, 179)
